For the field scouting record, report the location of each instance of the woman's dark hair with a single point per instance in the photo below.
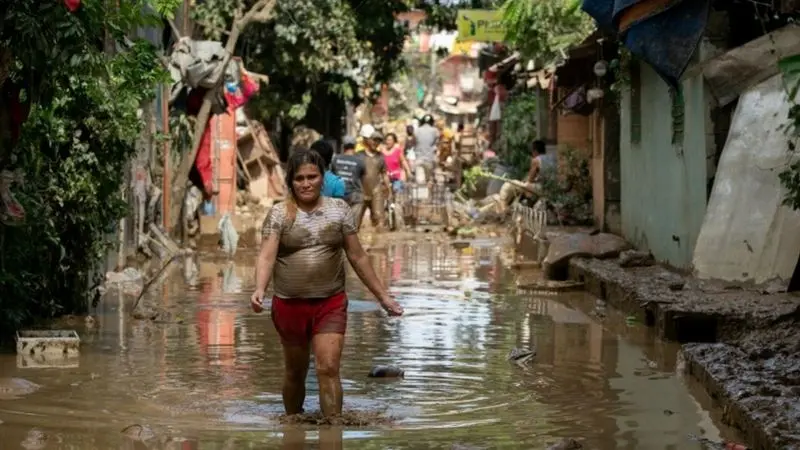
(393, 136)
(460, 126)
(298, 159)
(325, 150)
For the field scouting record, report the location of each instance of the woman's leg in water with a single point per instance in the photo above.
(295, 361)
(291, 318)
(327, 360)
(330, 324)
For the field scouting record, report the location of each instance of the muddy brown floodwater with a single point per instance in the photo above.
(212, 379)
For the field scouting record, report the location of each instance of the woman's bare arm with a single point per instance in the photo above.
(266, 261)
(406, 167)
(359, 259)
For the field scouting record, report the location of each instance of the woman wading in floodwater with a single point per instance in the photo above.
(301, 249)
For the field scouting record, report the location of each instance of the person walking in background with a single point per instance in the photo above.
(426, 138)
(445, 143)
(396, 163)
(363, 136)
(332, 185)
(349, 166)
(410, 143)
(375, 182)
(304, 241)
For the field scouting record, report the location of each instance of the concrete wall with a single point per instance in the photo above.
(574, 130)
(663, 171)
(611, 167)
(748, 234)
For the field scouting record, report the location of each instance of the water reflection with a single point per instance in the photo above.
(211, 378)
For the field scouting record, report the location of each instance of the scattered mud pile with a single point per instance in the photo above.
(347, 419)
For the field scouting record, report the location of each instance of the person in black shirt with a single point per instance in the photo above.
(350, 167)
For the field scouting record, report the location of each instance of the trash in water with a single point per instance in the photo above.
(566, 444)
(520, 356)
(138, 432)
(386, 372)
(714, 445)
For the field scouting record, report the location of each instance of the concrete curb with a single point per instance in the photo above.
(679, 307)
(753, 397)
(758, 388)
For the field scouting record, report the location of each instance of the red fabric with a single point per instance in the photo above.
(299, 319)
(194, 102)
(202, 162)
(18, 111)
(246, 90)
(72, 5)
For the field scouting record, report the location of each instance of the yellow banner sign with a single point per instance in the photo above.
(483, 25)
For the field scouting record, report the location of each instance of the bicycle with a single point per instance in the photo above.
(394, 209)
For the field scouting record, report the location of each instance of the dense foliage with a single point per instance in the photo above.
(540, 29)
(537, 29)
(790, 174)
(518, 131)
(83, 124)
(312, 47)
(441, 14)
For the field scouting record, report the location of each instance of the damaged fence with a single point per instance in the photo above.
(531, 223)
(530, 220)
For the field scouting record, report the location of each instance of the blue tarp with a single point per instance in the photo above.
(666, 39)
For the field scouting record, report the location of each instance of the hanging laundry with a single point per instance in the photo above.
(234, 99)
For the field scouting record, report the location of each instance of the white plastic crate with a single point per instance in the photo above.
(46, 344)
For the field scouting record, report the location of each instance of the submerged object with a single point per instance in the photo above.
(566, 444)
(386, 372)
(520, 356)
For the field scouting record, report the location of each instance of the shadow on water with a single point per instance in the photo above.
(212, 379)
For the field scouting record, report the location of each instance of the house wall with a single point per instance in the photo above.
(574, 130)
(663, 149)
(611, 178)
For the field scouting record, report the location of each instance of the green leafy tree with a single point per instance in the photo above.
(539, 29)
(315, 46)
(518, 131)
(83, 125)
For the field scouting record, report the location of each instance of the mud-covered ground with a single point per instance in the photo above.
(742, 343)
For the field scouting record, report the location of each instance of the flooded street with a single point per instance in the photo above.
(212, 380)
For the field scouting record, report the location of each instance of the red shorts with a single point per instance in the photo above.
(298, 319)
